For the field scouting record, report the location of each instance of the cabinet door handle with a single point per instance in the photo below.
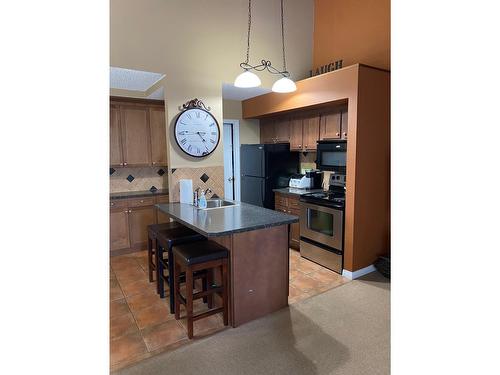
(345, 134)
(300, 146)
(125, 211)
(337, 134)
(112, 204)
(142, 201)
(121, 164)
(124, 163)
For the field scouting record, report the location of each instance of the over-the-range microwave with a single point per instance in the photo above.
(332, 156)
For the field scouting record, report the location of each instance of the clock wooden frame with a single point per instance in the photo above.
(196, 104)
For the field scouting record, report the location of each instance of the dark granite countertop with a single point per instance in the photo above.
(295, 191)
(137, 194)
(224, 221)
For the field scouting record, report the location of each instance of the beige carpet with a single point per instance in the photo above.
(345, 330)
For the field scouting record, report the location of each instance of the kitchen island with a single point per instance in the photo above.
(257, 240)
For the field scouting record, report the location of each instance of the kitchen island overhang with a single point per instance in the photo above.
(257, 240)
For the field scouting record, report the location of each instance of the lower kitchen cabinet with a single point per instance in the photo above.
(119, 229)
(139, 219)
(129, 220)
(290, 205)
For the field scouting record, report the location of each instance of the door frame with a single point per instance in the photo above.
(236, 149)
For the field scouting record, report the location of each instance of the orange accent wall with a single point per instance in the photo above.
(356, 31)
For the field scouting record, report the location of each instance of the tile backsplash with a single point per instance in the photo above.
(307, 161)
(137, 179)
(203, 177)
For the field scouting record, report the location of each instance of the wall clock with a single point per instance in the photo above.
(196, 129)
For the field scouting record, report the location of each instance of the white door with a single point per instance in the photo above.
(231, 159)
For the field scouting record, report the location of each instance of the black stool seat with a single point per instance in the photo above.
(154, 229)
(178, 235)
(195, 253)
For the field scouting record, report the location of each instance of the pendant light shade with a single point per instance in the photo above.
(247, 79)
(284, 85)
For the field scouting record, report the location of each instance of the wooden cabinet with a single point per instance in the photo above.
(138, 135)
(158, 136)
(135, 136)
(289, 205)
(115, 142)
(139, 219)
(129, 220)
(344, 126)
(310, 132)
(267, 131)
(330, 126)
(333, 125)
(296, 133)
(119, 229)
(304, 132)
(275, 130)
(282, 130)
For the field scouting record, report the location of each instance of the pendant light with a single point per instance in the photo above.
(284, 84)
(250, 79)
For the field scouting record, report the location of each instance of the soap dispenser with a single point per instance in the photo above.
(203, 200)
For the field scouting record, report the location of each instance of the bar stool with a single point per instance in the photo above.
(195, 257)
(153, 231)
(166, 240)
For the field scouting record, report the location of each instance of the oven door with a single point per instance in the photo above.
(322, 224)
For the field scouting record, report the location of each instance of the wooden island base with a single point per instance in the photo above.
(258, 268)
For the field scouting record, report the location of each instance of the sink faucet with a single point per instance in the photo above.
(208, 191)
(196, 195)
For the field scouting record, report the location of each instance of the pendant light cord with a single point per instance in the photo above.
(249, 27)
(283, 37)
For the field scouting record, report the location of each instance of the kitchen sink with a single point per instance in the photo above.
(218, 203)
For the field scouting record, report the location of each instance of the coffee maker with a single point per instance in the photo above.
(316, 177)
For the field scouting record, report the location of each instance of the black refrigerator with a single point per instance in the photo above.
(265, 167)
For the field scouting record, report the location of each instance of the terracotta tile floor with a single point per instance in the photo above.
(140, 322)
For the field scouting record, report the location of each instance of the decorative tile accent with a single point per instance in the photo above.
(144, 179)
(111, 171)
(173, 170)
(214, 179)
(153, 188)
(161, 172)
(214, 196)
(204, 177)
(130, 178)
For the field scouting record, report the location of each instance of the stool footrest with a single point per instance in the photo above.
(207, 293)
(208, 313)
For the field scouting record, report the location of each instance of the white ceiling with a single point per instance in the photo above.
(232, 92)
(129, 79)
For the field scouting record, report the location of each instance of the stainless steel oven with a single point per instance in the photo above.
(322, 234)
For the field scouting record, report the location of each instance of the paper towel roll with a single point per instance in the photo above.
(186, 191)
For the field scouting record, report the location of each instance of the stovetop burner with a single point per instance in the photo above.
(326, 198)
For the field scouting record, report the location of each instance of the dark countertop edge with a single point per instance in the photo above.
(137, 194)
(229, 232)
(286, 192)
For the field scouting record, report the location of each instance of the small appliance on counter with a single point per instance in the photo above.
(300, 181)
(316, 177)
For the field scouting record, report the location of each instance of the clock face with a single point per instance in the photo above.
(197, 132)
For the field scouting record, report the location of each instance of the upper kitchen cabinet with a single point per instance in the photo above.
(282, 130)
(158, 136)
(304, 132)
(137, 134)
(267, 131)
(275, 130)
(310, 132)
(330, 126)
(115, 146)
(344, 125)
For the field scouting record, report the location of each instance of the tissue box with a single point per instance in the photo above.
(186, 191)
